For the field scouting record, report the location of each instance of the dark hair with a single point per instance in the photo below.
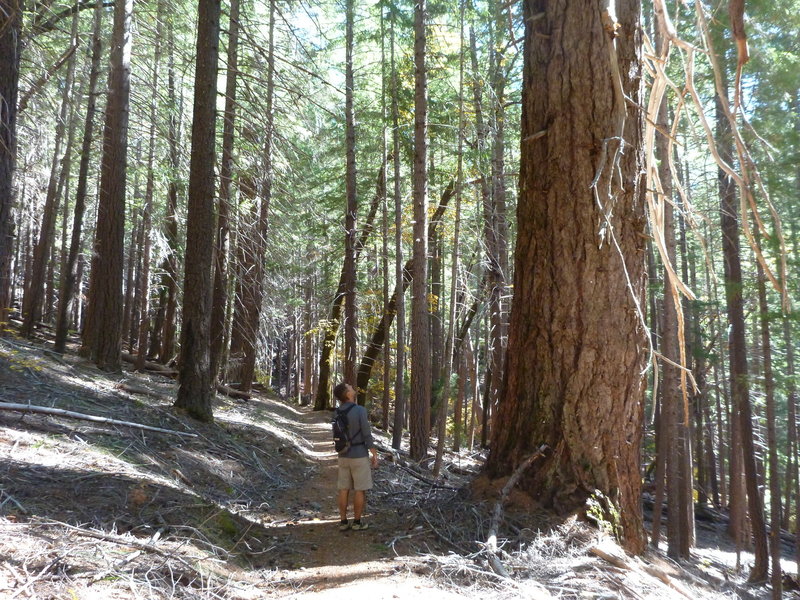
(339, 391)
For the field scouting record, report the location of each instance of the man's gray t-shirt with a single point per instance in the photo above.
(358, 427)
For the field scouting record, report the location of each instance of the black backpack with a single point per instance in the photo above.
(342, 440)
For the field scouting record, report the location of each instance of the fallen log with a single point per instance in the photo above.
(60, 412)
(233, 393)
(150, 365)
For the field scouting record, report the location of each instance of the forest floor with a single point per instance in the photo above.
(245, 508)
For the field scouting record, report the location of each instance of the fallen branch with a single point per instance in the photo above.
(123, 541)
(13, 500)
(84, 417)
(494, 524)
(37, 577)
(491, 542)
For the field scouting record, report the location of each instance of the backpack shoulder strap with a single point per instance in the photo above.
(346, 410)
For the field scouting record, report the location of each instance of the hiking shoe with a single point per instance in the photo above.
(344, 525)
(359, 526)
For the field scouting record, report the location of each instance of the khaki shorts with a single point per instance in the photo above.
(355, 474)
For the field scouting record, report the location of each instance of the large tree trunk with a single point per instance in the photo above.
(102, 332)
(10, 49)
(577, 336)
(69, 275)
(195, 391)
(219, 310)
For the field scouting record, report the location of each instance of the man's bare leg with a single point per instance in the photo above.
(343, 496)
(359, 500)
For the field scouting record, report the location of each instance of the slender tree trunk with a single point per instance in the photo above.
(69, 274)
(695, 454)
(435, 311)
(136, 253)
(195, 391)
(719, 388)
(419, 417)
(379, 334)
(775, 520)
(10, 50)
(470, 359)
(460, 413)
(660, 472)
(25, 256)
(247, 314)
(34, 290)
(387, 355)
(102, 333)
(350, 324)
(791, 409)
(487, 411)
(449, 354)
(308, 339)
(793, 487)
(80, 304)
(221, 248)
(64, 180)
(399, 298)
(144, 276)
(729, 211)
(494, 272)
(581, 394)
(450, 351)
(675, 399)
(331, 329)
(170, 278)
(497, 220)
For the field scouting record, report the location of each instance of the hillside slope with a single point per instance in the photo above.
(245, 508)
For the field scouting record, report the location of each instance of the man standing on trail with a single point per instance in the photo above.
(354, 464)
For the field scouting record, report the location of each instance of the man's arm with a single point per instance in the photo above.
(368, 441)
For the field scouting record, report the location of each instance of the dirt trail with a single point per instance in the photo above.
(325, 562)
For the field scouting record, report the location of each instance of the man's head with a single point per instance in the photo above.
(344, 392)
